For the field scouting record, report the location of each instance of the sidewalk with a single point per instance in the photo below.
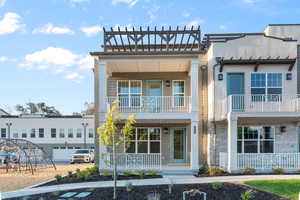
(159, 181)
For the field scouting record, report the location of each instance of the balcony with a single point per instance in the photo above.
(258, 104)
(152, 104)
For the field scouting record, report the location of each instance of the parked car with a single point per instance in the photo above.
(83, 155)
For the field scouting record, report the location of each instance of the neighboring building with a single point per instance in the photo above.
(50, 132)
(229, 100)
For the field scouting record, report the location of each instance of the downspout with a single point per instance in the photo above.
(218, 59)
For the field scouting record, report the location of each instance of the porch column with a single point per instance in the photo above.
(194, 160)
(232, 142)
(194, 74)
(102, 102)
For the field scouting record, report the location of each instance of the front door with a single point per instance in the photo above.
(154, 93)
(178, 145)
(236, 88)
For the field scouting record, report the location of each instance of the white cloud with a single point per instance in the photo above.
(78, 1)
(152, 13)
(50, 29)
(248, 1)
(129, 2)
(186, 14)
(90, 31)
(222, 27)
(2, 3)
(195, 23)
(73, 76)
(10, 23)
(3, 58)
(59, 60)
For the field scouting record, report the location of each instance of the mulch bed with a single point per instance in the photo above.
(97, 177)
(241, 174)
(228, 191)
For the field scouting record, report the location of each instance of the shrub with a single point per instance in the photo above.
(277, 170)
(216, 186)
(152, 172)
(87, 176)
(77, 170)
(248, 195)
(92, 170)
(106, 172)
(214, 171)
(142, 173)
(129, 187)
(249, 171)
(70, 174)
(203, 169)
(126, 173)
(58, 178)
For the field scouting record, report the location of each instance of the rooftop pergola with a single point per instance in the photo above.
(164, 40)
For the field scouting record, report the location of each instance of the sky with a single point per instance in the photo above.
(45, 44)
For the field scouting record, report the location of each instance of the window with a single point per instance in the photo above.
(144, 140)
(55, 147)
(53, 132)
(91, 132)
(61, 133)
(79, 133)
(256, 139)
(32, 133)
(41, 132)
(15, 133)
(266, 85)
(24, 133)
(129, 93)
(3, 132)
(70, 133)
(178, 93)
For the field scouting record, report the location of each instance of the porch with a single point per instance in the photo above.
(166, 149)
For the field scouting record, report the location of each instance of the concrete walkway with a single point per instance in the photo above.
(159, 181)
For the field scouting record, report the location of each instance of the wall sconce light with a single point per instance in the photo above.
(168, 83)
(166, 130)
(282, 129)
(289, 76)
(220, 77)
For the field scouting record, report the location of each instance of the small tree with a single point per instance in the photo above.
(115, 132)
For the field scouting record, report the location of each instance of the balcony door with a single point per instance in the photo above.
(236, 88)
(154, 93)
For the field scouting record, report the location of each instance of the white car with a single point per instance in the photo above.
(83, 155)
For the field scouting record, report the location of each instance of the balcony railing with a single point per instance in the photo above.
(152, 104)
(127, 161)
(261, 103)
(263, 160)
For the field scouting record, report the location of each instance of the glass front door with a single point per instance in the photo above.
(178, 145)
(154, 92)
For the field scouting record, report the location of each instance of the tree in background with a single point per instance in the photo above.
(114, 133)
(89, 109)
(33, 108)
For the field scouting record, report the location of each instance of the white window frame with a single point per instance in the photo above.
(266, 87)
(78, 130)
(148, 140)
(129, 92)
(174, 94)
(62, 132)
(259, 140)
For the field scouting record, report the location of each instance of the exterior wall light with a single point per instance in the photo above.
(289, 76)
(220, 77)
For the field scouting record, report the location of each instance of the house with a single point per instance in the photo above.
(228, 99)
(59, 136)
(3, 112)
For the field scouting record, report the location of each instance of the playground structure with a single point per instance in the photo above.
(23, 156)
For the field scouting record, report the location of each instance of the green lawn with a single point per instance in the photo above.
(287, 188)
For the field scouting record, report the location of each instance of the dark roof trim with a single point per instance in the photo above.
(6, 113)
(161, 53)
(46, 116)
(257, 62)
